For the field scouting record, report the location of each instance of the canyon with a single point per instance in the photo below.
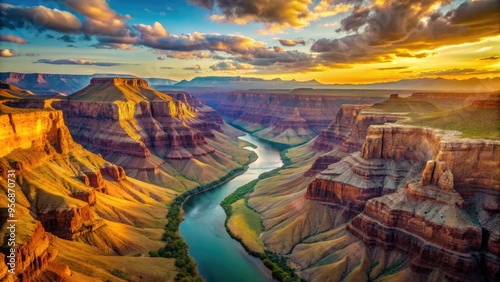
(374, 187)
(375, 197)
(73, 203)
(284, 118)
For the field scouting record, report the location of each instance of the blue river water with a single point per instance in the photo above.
(219, 257)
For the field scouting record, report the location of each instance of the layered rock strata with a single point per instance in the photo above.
(136, 120)
(426, 193)
(346, 134)
(32, 138)
(268, 112)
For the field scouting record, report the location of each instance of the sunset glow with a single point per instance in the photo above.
(330, 41)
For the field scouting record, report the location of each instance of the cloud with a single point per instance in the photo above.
(81, 62)
(230, 66)
(31, 54)
(187, 55)
(113, 46)
(71, 46)
(119, 43)
(13, 39)
(195, 68)
(161, 58)
(454, 71)
(289, 42)
(492, 58)
(49, 36)
(483, 49)
(392, 68)
(8, 53)
(157, 30)
(276, 15)
(167, 68)
(100, 19)
(67, 38)
(380, 31)
(40, 17)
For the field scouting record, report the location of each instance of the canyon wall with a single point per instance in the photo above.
(268, 115)
(425, 192)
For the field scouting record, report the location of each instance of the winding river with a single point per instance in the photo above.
(219, 257)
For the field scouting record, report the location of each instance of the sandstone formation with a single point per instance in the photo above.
(340, 129)
(347, 133)
(47, 84)
(65, 190)
(438, 179)
(154, 136)
(293, 130)
(265, 114)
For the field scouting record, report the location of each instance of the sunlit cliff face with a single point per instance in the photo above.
(331, 41)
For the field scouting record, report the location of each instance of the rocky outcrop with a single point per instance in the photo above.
(424, 192)
(340, 129)
(137, 82)
(354, 180)
(42, 131)
(293, 130)
(426, 219)
(34, 138)
(347, 133)
(33, 256)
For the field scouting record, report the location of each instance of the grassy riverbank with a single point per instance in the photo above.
(175, 247)
(245, 225)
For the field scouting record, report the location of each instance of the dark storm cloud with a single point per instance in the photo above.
(67, 38)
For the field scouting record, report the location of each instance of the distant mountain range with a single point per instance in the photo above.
(40, 83)
(46, 84)
(423, 84)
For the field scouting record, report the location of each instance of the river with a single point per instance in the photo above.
(220, 258)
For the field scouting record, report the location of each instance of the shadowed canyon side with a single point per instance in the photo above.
(372, 198)
(289, 118)
(72, 203)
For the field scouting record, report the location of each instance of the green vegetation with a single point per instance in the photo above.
(277, 263)
(120, 274)
(393, 268)
(472, 122)
(404, 105)
(247, 225)
(175, 247)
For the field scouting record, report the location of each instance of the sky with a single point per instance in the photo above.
(332, 41)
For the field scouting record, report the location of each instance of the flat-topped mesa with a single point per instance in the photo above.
(486, 104)
(450, 100)
(138, 121)
(138, 82)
